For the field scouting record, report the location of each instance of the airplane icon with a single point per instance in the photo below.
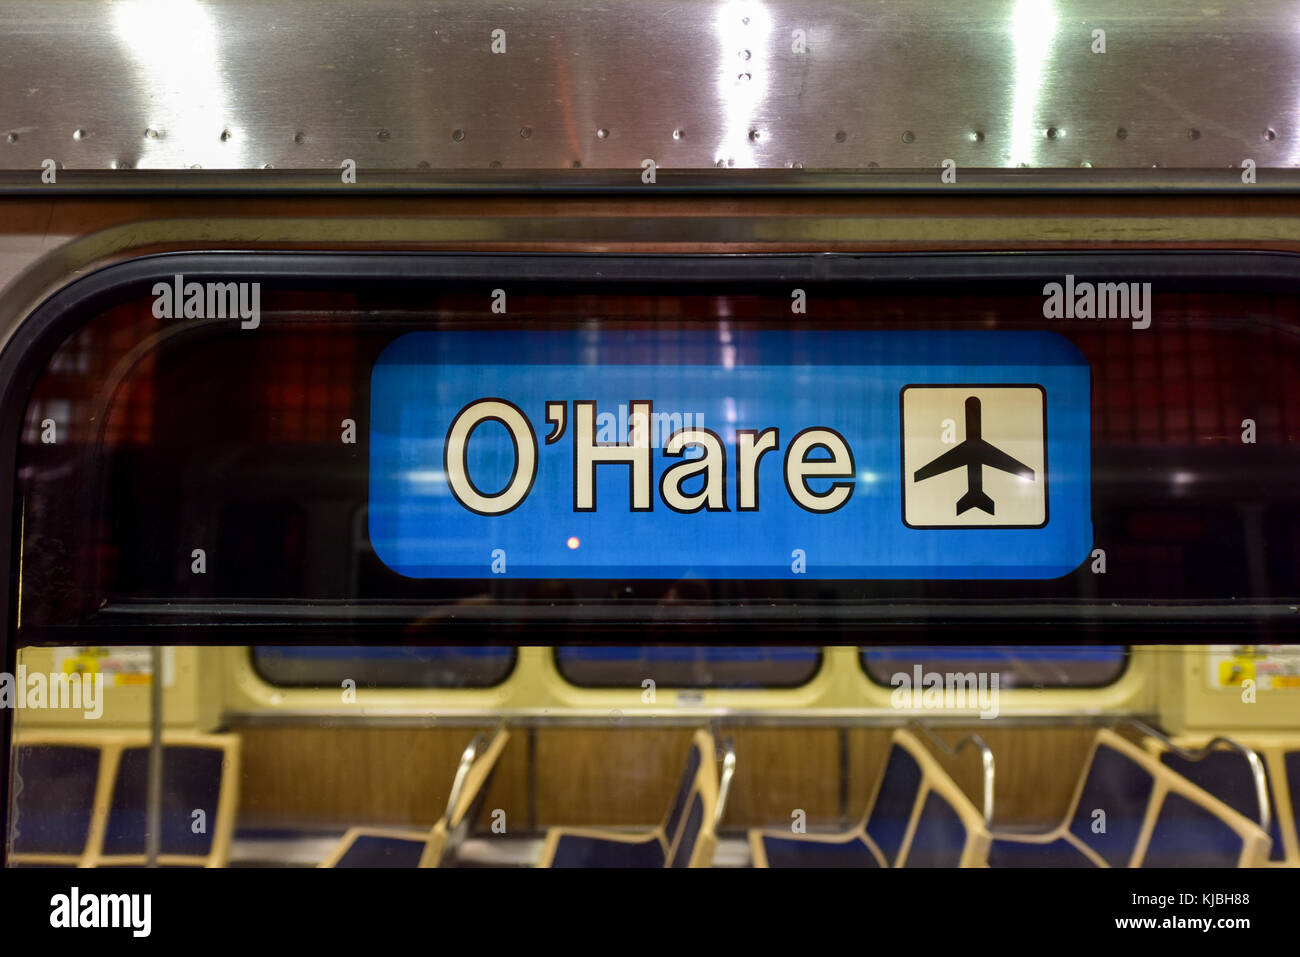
(973, 454)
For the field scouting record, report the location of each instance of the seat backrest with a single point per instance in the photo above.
(943, 827)
(1289, 806)
(1130, 810)
(1227, 775)
(889, 813)
(1111, 800)
(61, 772)
(689, 827)
(53, 799)
(192, 785)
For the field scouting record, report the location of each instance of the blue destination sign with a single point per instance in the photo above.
(655, 453)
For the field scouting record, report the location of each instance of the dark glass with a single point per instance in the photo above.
(1018, 667)
(384, 667)
(688, 666)
(180, 435)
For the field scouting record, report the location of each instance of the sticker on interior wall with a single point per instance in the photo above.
(730, 454)
(121, 666)
(1271, 667)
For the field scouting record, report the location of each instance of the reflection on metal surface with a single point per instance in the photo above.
(172, 50)
(744, 32)
(1033, 27)
(582, 84)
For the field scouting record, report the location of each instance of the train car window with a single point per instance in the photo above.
(365, 520)
(393, 667)
(316, 499)
(688, 667)
(1054, 667)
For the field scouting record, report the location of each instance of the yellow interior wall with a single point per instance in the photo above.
(1190, 704)
(125, 706)
(211, 686)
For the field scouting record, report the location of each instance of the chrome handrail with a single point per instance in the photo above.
(1251, 756)
(986, 759)
(467, 760)
(724, 783)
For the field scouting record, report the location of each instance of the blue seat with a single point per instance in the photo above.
(428, 847)
(686, 838)
(53, 800)
(1227, 774)
(1129, 810)
(192, 780)
(918, 817)
(64, 776)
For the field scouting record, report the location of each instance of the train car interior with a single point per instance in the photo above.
(774, 434)
(681, 756)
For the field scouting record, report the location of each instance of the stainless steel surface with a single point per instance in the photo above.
(154, 781)
(392, 84)
(668, 181)
(986, 760)
(467, 759)
(1252, 757)
(724, 781)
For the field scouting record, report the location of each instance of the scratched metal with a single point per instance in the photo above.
(399, 85)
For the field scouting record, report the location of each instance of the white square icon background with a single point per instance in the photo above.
(1012, 424)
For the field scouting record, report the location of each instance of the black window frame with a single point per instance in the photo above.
(27, 354)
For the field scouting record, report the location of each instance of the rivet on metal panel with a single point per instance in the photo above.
(79, 134)
(909, 136)
(384, 135)
(841, 136)
(457, 135)
(226, 135)
(679, 134)
(299, 137)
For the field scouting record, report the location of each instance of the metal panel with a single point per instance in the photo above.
(396, 85)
